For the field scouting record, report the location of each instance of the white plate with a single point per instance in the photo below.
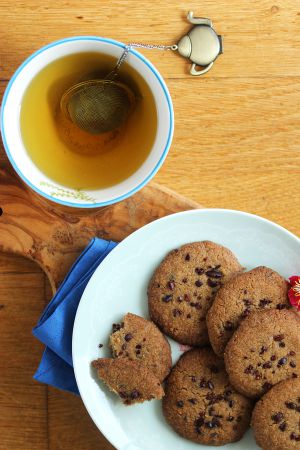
(119, 286)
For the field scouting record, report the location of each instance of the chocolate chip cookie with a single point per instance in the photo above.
(200, 404)
(130, 380)
(139, 339)
(183, 287)
(261, 288)
(263, 351)
(276, 417)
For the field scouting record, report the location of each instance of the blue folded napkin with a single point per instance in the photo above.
(55, 326)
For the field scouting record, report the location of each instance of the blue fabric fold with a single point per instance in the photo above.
(55, 326)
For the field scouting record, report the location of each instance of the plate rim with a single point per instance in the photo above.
(105, 433)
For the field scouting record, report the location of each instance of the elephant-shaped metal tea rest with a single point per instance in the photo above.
(202, 45)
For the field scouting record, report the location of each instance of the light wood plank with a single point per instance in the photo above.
(23, 402)
(261, 36)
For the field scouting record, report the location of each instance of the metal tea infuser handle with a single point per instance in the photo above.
(202, 45)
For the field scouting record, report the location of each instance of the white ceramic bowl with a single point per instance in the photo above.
(15, 149)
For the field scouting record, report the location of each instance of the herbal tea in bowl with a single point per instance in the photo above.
(51, 132)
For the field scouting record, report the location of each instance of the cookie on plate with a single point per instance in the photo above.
(263, 351)
(276, 417)
(260, 288)
(183, 287)
(139, 339)
(130, 380)
(200, 404)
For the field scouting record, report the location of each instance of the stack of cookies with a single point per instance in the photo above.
(246, 349)
(201, 296)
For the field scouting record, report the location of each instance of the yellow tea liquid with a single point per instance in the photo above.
(72, 156)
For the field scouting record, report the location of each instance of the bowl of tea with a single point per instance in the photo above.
(81, 134)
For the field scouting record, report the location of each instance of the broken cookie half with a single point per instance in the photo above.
(128, 379)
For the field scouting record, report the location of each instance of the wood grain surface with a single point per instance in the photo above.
(236, 145)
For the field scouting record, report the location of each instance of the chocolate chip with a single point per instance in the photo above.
(230, 403)
(202, 383)
(138, 352)
(291, 405)
(214, 273)
(187, 257)
(167, 298)
(245, 313)
(281, 344)
(292, 353)
(135, 394)
(199, 422)
(264, 302)
(212, 423)
(205, 259)
(157, 285)
(180, 404)
(294, 436)
(267, 386)
(123, 347)
(282, 362)
(210, 385)
(138, 346)
(230, 418)
(144, 339)
(122, 394)
(293, 364)
(273, 358)
(277, 417)
(171, 285)
(263, 349)
(245, 291)
(228, 326)
(294, 375)
(187, 298)
(198, 283)
(193, 401)
(214, 369)
(258, 375)
(212, 283)
(100, 345)
(267, 365)
(180, 299)
(248, 369)
(278, 337)
(184, 280)
(116, 327)
(128, 337)
(281, 306)
(282, 426)
(227, 393)
(188, 316)
(193, 379)
(176, 312)
(247, 302)
(199, 270)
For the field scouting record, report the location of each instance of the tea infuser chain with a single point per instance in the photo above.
(127, 48)
(202, 45)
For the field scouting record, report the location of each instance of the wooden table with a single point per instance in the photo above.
(236, 145)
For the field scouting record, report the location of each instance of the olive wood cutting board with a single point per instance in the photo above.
(53, 236)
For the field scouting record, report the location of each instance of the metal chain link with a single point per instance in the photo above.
(140, 45)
